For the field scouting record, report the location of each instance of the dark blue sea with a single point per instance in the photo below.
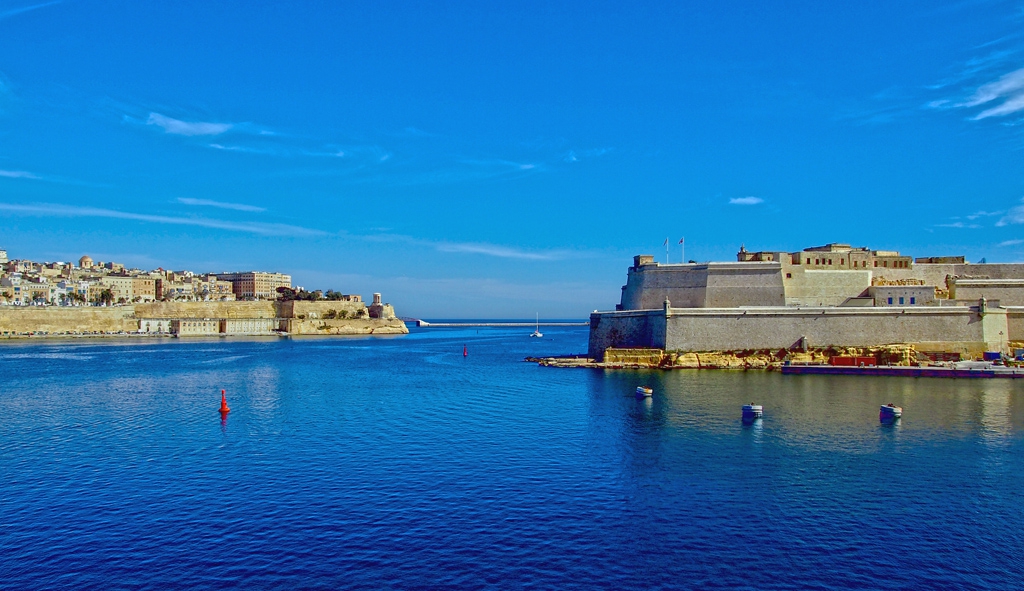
(398, 463)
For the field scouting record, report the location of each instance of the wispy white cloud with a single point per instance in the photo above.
(59, 210)
(1011, 242)
(999, 98)
(482, 248)
(983, 213)
(16, 11)
(220, 204)
(245, 149)
(1014, 216)
(19, 174)
(958, 225)
(23, 174)
(1009, 88)
(578, 155)
(494, 251)
(190, 128)
(751, 200)
(372, 153)
(499, 164)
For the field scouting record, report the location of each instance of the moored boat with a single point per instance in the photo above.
(889, 412)
(644, 391)
(752, 411)
(536, 332)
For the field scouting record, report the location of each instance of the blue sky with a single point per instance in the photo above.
(497, 160)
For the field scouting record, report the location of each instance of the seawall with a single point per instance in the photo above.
(294, 318)
(952, 328)
(21, 320)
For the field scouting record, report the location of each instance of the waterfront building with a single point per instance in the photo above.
(195, 327)
(258, 285)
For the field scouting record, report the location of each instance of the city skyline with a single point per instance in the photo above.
(489, 161)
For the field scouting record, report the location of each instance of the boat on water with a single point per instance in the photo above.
(889, 412)
(644, 391)
(536, 332)
(752, 411)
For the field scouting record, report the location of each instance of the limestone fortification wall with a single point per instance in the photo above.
(938, 328)
(648, 286)
(704, 285)
(626, 330)
(34, 319)
(724, 285)
(812, 287)
(317, 310)
(744, 284)
(344, 327)
(264, 309)
(1009, 292)
(297, 317)
(1015, 323)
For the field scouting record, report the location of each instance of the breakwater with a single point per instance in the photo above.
(425, 324)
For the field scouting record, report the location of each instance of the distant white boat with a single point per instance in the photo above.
(536, 332)
(644, 391)
(752, 411)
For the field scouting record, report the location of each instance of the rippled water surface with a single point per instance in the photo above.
(398, 463)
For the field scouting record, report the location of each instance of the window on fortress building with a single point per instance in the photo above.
(841, 261)
(808, 261)
(890, 301)
(830, 261)
(913, 301)
(876, 263)
(901, 301)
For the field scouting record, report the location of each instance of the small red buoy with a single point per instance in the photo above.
(465, 351)
(224, 403)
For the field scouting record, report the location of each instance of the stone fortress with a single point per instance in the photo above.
(832, 295)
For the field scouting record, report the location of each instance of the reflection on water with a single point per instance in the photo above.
(365, 463)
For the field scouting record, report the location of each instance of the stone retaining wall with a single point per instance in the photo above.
(66, 320)
(727, 329)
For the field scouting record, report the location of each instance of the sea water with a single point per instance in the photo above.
(398, 462)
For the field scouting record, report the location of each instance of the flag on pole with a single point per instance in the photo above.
(666, 242)
(681, 240)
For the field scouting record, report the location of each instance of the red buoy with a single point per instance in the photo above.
(224, 403)
(465, 351)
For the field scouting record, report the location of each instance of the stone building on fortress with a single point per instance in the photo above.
(827, 295)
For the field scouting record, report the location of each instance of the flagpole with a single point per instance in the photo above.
(682, 250)
(666, 251)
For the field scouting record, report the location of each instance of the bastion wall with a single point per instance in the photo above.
(950, 328)
(265, 309)
(718, 285)
(375, 326)
(34, 319)
(299, 317)
(318, 310)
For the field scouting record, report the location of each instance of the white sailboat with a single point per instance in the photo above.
(536, 332)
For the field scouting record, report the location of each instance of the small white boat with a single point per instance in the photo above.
(752, 411)
(536, 332)
(889, 412)
(644, 391)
